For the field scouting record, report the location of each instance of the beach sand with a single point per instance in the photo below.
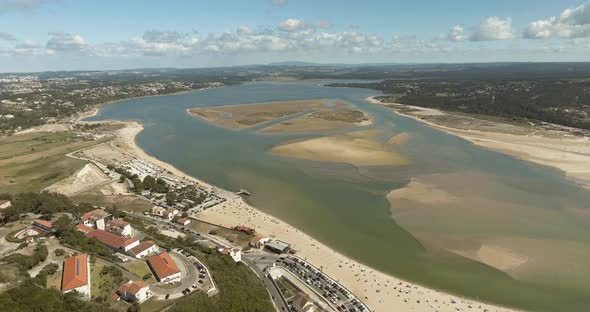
(556, 149)
(358, 148)
(381, 292)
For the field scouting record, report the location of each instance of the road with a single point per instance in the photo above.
(257, 262)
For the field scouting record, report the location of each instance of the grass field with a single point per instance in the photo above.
(139, 268)
(54, 281)
(10, 274)
(124, 202)
(152, 305)
(239, 238)
(31, 162)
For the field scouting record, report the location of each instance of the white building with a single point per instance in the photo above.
(234, 253)
(76, 275)
(97, 219)
(119, 227)
(144, 249)
(164, 268)
(134, 291)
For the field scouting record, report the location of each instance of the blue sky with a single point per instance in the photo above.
(65, 34)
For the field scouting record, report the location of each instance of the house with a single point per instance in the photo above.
(303, 303)
(164, 213)
(171, 213)
(134, 291)
(144, 249)
(234, 253)
(76, 275)
(119, 227)
(42, 226)
(164, 268)
(96, 218)
(4, 204)
(183, 221)
(278, 246)
(259, 241)
(118, 243)
(84, 229)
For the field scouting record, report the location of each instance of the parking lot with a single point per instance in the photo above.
(340, 298)
(204, 280)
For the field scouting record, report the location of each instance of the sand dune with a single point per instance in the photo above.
(358, 148)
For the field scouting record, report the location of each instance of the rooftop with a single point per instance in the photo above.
(132, 287)
(163, 265)
(111, 239)
(84, 229)
(95, 215)
(277, 244)
(44, 223)
(142, 247)
(75, 272)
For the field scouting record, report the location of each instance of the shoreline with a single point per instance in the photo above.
(380, 291)
(570, 155)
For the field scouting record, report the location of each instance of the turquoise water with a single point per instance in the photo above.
(344, 206)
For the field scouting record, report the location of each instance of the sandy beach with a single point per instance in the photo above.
(381, 292)
(561, 150)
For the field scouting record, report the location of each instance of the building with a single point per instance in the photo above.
(277, 246)
(84, 229)
(144, 249)
(234, 253)
(76, 275)
(183, 221)
(4, 204)
(164, 268)
(96, 218)
(302, 303)
(134, 291)
(118, 243)
(42, 226)
(164, 213)
(259, 241)
(119, 227)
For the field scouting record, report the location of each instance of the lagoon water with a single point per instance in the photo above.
(345, 207)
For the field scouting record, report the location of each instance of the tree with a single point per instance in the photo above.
(122, 179)
(134, 307)
(138, 185)
(62, 225)
(170, 198)
(147, 276)
(59, 252)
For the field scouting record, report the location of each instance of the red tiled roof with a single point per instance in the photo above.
(142, 247)
(84, 229)
(3, 201)
(111, 239)
(44, 223)
(94, 215)
(182, 220)
(163, 265)
(75, 273)
(257, 239)
(132, 287)
(116, 226)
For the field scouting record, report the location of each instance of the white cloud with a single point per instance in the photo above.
(65, 42)
(161, 36)
(293, 24)
(493, 28)
(457, 34)
(571, 23)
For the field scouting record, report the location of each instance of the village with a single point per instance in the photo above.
(142, 243)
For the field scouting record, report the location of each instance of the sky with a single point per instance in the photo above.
(40, 35)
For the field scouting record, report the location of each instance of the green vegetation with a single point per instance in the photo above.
(141, 269)
(287, 289)
(237, 237)
(31, 162)
(559, 101)
(30, 296)
(25, 262)
(105, 281)
(42, 203)
(239, 288)
(12, 273)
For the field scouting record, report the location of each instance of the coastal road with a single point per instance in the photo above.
(256, 263)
